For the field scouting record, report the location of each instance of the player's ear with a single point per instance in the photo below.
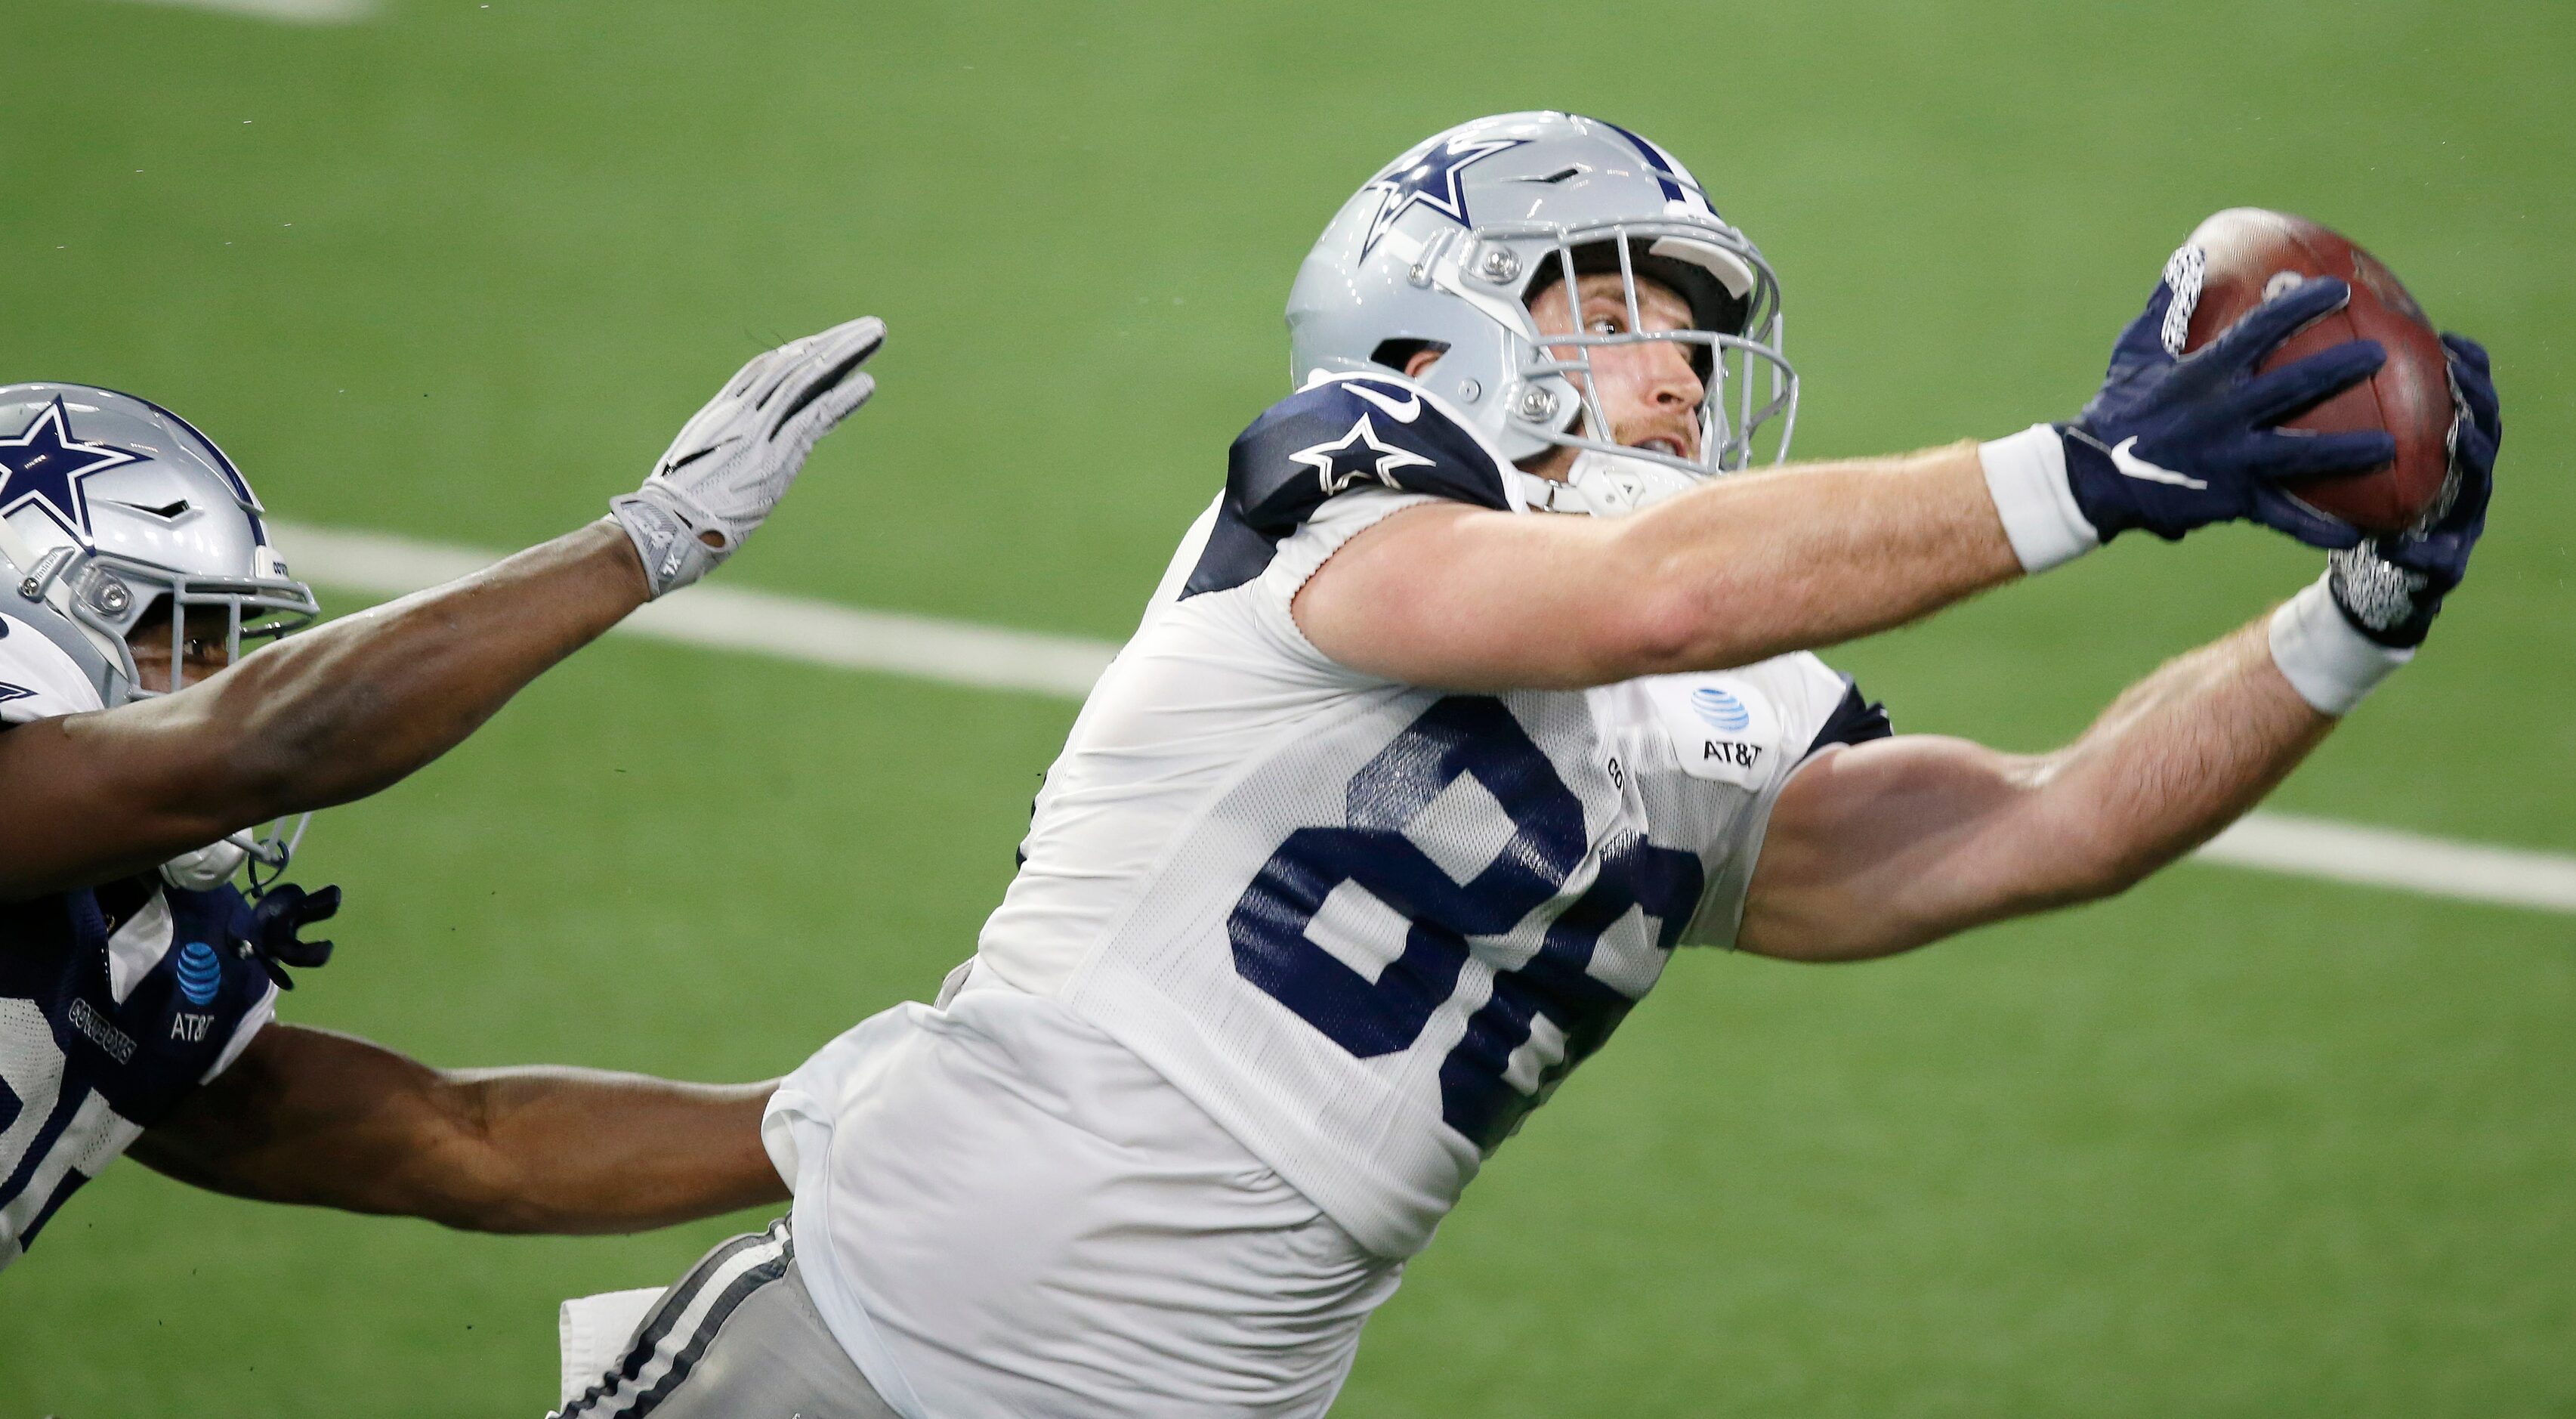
(1423, 359)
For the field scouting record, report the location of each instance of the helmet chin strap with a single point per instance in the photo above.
(208, 867)
(1605, 485)
(214, 864)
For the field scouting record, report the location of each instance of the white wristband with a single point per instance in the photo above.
(2328, 662)
(2026, 476)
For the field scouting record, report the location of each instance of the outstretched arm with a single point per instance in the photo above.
(321, 718)
(1730, 573)
(1888, 845)
(341, 712)
(1800, 558)
(1892, 844)
(329, 1120)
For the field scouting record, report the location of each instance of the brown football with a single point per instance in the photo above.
(2252, 253)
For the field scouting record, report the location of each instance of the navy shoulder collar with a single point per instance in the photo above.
(1343, 432)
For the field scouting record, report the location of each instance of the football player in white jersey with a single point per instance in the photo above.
(138, 982)
(1482, 685)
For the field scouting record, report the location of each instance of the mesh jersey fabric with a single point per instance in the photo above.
(1364, 925)
(115, 1002)
(1000, 1210)
(109, 1016)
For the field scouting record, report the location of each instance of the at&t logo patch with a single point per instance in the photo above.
(201, 974)
(1722, 727)
(1724, 712)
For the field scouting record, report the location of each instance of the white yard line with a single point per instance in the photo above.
(990, 657)
(731, 618)
(292, 12)
(2385, 857)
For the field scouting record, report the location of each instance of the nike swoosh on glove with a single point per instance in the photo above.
(740, 454)
(2391, 588)
(2174, 442)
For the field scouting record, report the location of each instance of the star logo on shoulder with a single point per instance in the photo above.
(45, 464)
(10, 692)
(1356, 455)
(1428, 179)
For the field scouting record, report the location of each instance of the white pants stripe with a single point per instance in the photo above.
(679, 1329)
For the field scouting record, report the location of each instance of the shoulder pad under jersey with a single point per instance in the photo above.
(1339, 433)
(39, 679)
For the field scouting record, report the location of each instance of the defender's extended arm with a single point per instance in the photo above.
(321, 718)
(343, 711)
(328, 1120)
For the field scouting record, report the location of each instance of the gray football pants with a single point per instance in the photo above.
(736, 1338)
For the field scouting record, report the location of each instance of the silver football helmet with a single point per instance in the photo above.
(1446, 247)
(113, 508)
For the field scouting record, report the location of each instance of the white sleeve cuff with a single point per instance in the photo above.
(2329, 663)
(2026, 476)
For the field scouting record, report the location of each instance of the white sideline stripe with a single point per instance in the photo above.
(2385, 857)
(730, 618)
(988, 657)
(293, 12)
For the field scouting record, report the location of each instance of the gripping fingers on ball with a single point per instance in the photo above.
(2143, 342)
(2466, 517)
(2468, 352)
(2297, 387)
(2282, 513)
(2298, 454)
(2260, 330)
(2475, 382)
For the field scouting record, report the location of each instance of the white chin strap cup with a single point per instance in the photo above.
(1605, 485)
(205, 869)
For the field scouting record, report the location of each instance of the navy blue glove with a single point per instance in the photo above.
(272, 925)
(2391, 588)
(2173, 443)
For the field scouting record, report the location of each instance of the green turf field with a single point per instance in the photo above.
(2234, 1144)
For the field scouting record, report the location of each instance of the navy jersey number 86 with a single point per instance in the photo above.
(1550, 1003)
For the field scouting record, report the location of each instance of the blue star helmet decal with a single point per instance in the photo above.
(1428, 179)
(45, 465)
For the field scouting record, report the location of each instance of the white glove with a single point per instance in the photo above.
(735, 460)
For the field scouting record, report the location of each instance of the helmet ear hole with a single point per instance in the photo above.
(1398, 355)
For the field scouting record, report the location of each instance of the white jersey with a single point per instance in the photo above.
(1000, 1210)
(1368, 926)
(116, 1002)
(38, 679)
(1291, 949)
